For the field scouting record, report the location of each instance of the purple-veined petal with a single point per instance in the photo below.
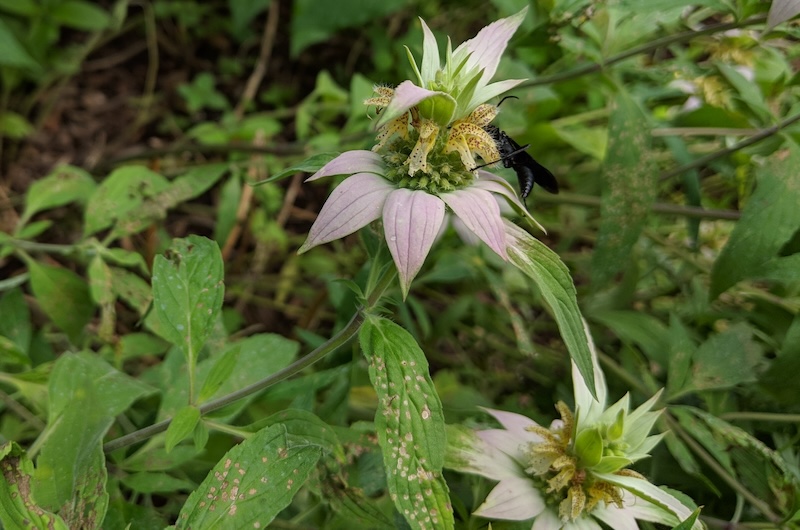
(547, 520)
(480, 212)
(351, 162)
(355, 203)
(411, 221)
(514, 499)
(494, 184)
(430, 53)
(406, 95)
(463, 232)
(490, 43)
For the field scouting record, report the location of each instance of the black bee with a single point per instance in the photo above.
(514, 156)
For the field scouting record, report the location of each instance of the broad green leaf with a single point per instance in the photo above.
(14, 126)
(63, 296)
(553, 279)
(18, 510)
(629, 189)
(309, 165)
(183, 423)
(187, 292)
(14, 54)
(65, 185)
(782, 269)
(252, 483)
(780, 379)
(230, 194)
(749, 92)
(409, 423)
(85, 396)
(770, 218)
(132, 289)
(120, 196)
(15, 325)
(592, 141)
(688, 523)
(726, 360)
(79, 14)
(308, 426)
(25, 8)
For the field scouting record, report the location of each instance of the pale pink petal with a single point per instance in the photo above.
(463, 232)
(468, 453)
(494, 184)
(406, 95)
(671, 506)
(486, 93)
(355, 203)
(515, 423)
(351, 162)
(616, 518)
(480, 212)
(490, 42)
(509, 443)
(514, 499)
(411, 221)
(547, 520)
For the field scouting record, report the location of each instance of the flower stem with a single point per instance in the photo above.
(335, 342)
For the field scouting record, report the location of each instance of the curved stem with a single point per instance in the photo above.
(335, 342)
(644, 48)
(712, 463)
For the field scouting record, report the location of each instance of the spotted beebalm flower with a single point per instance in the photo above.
(572, 475)
(424, 162)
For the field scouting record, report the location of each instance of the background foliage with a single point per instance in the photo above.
(150, 218)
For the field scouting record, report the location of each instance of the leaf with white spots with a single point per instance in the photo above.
(187, 292)
(409, 423)
(252, 483)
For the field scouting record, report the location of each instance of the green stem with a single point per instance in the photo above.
(761, 416)
(335, 342)
(644, 48)
(711, 462)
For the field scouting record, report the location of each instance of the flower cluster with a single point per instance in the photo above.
(574, 473)
(424, 162)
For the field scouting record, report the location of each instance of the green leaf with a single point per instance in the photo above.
(18, 510)
(63, 296)
(187, 292)
(132, 289)
(644, 330)
(81, 15)
(553, 279)
(101, 286)
(770, 218)
(16, 325)
(120, 196)
(252, 483)
(629, 189)
(221, 371)
(149, 483)
(230, 194)
(726, 360)
(65, 185)
(183, 423)
(409, 423)
(25, 8)
(688, 523)
(14, 54)
(314, 21)
(681, 352)
(309, 165)
(202, 94)
(14, 126)
(85, 395)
